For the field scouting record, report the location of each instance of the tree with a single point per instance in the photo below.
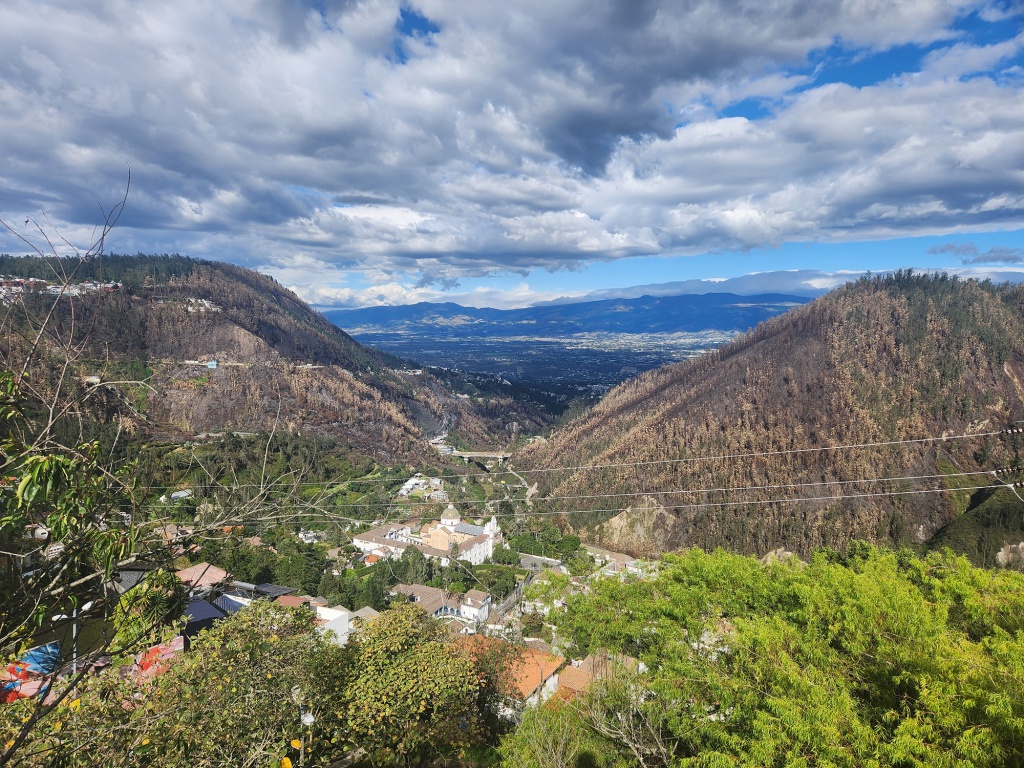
(553, 737)
(372, 591)
(880, 658)
(141, 612)
(300, 565)
(229, 701)
(79, 516)
(417, 569)
(500, 582)
(67, 478)
(505, 556)
(415, 696)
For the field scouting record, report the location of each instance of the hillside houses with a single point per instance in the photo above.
(535, 676)
(214, 594)
(427, 488)
(12, 288)
(447, 538)
(203, 576)
(472, 607)
(619, 564)
(194, 305)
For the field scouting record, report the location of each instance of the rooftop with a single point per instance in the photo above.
(573, 681)
(203, 575)
(531, 670)
(292, 601)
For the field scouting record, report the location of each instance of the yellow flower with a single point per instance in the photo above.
(296, 744)
(74, 705)
(286, 762)
(58, 725)
(145, 742)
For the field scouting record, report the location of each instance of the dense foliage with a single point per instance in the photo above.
(874, 659)
(226, 702)
(404, 692)
(62, 517)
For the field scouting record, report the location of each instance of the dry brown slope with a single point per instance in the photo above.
(280, 364)
(883, 359)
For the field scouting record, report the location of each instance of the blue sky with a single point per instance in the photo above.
(381, 151)
(815, 267)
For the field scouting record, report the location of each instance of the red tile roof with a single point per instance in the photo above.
(574, 679)
(292, 601)
(203, 575)
(531, 670)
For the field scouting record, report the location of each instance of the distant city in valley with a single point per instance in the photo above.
(577, 365)
(567, 350)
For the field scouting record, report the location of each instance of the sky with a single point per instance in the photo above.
(370, 152)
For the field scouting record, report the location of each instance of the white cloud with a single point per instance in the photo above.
(391, 294)
(962, 59)
(518, 136)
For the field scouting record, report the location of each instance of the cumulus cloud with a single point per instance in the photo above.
(424, 142)
(391, 294)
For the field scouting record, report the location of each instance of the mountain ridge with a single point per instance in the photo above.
(644, 314)
(876, 361)
(223, 348)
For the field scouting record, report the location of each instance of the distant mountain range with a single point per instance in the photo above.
(688, 313)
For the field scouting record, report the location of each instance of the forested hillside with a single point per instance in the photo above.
(279, 364)
(252, 302)
(872, 659)
(884, 360)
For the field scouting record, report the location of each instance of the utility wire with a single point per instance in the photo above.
(757, 454)
(651, 462)
(672, 492)
(321, 515)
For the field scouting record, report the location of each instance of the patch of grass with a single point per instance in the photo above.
(992, 520)
(961, 499)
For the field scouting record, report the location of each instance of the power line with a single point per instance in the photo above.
(673, 492)
(328, 517)
(758, 454)
(650, 462)
(322, 515)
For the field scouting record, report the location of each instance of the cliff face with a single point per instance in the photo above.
(881, 360)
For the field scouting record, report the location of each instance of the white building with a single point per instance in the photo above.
(473, 607)
(471, 543)
(428, 486)
(476, 606)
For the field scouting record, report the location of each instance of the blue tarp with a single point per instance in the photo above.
(43, 659)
